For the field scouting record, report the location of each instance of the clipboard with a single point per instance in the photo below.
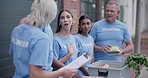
(80, 61)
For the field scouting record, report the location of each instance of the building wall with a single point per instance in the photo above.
(74, 7)
(54, 22)
(130, 9)
(144, 16)
(10, 14)
(129, 14)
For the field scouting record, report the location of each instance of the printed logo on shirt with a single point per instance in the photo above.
(87, 45)
(110, 29)
(19, 42)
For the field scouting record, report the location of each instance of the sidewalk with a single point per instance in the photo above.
(144, 73)
(144, 50)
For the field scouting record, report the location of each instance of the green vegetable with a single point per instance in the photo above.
(114, 49)
(136, 60)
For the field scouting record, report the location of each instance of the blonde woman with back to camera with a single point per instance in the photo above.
(30, 46)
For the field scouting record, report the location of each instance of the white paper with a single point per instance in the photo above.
(77, 63)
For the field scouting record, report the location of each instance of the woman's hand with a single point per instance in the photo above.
(22, 21)
(70, 48)
(67, 73)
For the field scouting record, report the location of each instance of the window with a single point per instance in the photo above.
(88, 7)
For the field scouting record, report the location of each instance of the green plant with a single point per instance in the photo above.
(136, 60)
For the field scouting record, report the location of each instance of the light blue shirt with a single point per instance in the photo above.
(30, 45)
(60, 48)
(85, 45)
(106, 33)
(47, 30)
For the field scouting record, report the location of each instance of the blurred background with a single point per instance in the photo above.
(134, 13)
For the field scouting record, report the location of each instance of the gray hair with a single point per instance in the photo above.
(43, 12)
(111, 2)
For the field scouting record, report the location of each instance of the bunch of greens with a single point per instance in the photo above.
(136, 60)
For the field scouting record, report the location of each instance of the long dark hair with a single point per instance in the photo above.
(58, 22)
(80, 19)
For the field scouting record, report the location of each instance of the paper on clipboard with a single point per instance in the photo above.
(77, 63)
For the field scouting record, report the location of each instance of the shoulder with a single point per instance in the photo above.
(16, 28)
(72, 36)
(56, 37)
(30, 31)
(120, 23)
(99, 22)
(77, 35)
(91, 38)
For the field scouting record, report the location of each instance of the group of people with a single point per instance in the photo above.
(36, 51)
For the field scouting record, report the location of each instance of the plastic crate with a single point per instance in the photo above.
(115, 69)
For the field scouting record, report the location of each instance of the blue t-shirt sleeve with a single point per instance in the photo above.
(40, 52)
(10, 48)
(56, 48)
(93, 32)
(78, 45)
(11, 44)
(126, 36)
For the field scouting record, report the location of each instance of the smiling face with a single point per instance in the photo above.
(85, 26)
(111, 12)
(66, 20)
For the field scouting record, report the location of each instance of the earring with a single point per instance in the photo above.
(59, 25)
(72, 24)
(80, 29)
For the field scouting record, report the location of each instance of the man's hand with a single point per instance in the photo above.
(120, 53)
(105, 48)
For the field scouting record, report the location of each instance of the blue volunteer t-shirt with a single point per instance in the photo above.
(47, 30)
(29, 45)
(85, 45)
(106, 33)
(60, 48)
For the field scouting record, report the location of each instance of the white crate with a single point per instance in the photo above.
(115, 69)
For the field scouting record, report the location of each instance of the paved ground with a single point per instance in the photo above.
(144, 34)
(144, 73)
(144, 50)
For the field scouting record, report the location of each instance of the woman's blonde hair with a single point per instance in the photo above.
(43, 12)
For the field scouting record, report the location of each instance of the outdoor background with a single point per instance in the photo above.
(133, 13)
